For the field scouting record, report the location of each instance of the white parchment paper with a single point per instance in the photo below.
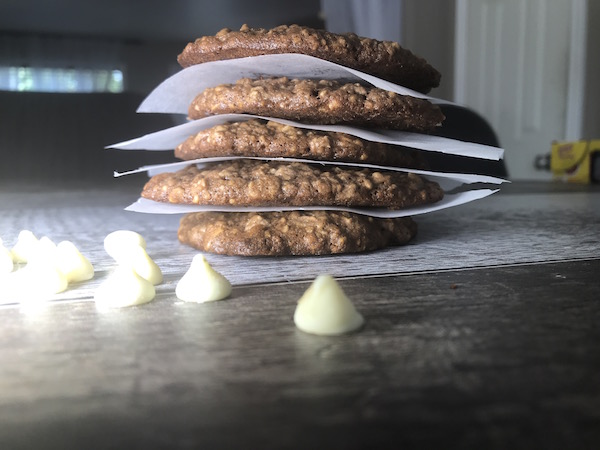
(175, 94)
(447, 181)
(143, 205)
(169, 138)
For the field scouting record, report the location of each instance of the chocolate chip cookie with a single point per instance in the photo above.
(292, 232)
(268, 139)
(384, 59)
(245, 182)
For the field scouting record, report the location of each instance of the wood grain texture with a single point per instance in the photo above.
(492, 358)
(51, 136)
(502, 229)
(474, 338)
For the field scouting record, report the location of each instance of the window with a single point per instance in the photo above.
(36, 79)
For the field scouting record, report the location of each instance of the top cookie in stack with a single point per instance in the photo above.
(383, 59)
(258, 183)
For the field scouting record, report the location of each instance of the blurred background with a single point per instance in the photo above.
(72, 73)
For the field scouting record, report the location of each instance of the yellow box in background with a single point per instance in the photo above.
(576, 162)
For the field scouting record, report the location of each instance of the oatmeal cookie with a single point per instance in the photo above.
(292, 232)
(245, 182)
(268, 139)
(318, 101)
(384, 59)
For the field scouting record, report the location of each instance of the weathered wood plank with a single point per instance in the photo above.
(503, 229)
(490, 358)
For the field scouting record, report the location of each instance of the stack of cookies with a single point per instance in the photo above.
(267, 164)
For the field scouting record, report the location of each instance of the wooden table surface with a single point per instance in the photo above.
(482, 333)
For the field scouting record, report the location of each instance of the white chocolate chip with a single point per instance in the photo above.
(26, 245)
(324, 309)
(119, 243)
(40, 278)
(124, 287)
(201, 283)
(143, 265)
(72, 263)
(6, 260)
(44, 251)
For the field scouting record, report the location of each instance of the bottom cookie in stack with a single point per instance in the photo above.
(292, 233)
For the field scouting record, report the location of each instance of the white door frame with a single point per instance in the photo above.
(576, 70)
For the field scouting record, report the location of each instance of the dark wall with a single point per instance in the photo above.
(61, 137)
